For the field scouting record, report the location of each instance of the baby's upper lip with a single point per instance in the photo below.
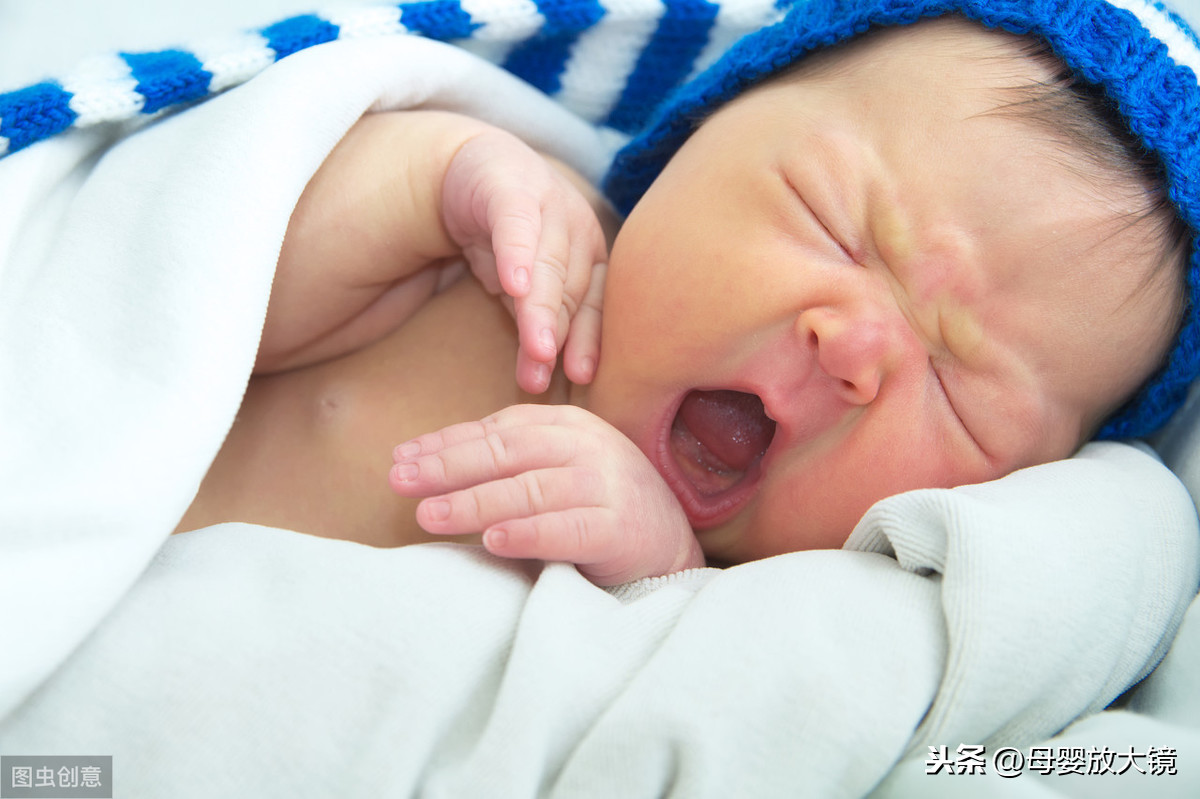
(796, 392)
(779, 389)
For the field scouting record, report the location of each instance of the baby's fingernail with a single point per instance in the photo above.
(437, 509)
(406, 450)
(589, 367)
(541, 374)
(521, 278)
(495, 538)
(546, 339)
(404, 472)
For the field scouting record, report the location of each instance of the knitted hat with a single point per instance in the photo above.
(1143, 56)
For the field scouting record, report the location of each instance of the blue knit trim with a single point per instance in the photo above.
(167, 78)
(298, 33)
(437, 19)
(34, 113)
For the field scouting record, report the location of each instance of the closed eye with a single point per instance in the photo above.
(946, 394)
(810, 214)
(845, 252)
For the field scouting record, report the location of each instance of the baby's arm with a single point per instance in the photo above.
(552, 482)
(404, 196)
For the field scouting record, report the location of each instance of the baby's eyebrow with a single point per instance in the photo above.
(891, 234)
(928, 276)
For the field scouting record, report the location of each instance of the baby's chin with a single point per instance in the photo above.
(736, 542)
(771, 526)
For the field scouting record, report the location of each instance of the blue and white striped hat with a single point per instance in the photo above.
(650, 68)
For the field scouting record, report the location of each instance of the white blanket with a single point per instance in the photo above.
(247, 661)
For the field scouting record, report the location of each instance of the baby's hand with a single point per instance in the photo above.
(528, 233)
(552, 482)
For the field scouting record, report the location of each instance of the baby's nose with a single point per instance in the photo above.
(852, 348)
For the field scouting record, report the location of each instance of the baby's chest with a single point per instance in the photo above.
(311, 448)
(454, 361)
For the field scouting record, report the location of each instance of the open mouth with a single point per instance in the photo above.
(718, 440)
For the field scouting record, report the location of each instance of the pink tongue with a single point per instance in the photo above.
(730, 424)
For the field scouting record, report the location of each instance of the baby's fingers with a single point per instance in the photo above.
(582, 351)
(482, 506)
(473, 453)
(540, 318)
(515, 233)
(584, 536)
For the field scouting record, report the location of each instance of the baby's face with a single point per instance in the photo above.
(917, 290)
